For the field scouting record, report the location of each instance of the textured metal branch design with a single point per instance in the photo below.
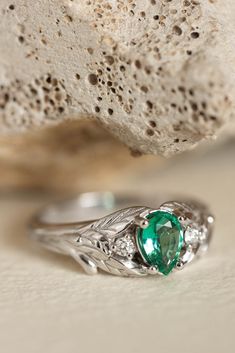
(109, 244)
(95, 240)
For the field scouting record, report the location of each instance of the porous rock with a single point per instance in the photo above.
(158, 74)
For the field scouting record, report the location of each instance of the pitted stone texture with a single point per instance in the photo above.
(157, 74)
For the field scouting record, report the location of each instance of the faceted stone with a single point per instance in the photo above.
(161, 242)
(125, 246)
(191, 236)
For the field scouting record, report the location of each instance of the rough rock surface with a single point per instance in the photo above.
(156, 73)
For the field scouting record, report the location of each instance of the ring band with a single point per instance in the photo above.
(123, 239)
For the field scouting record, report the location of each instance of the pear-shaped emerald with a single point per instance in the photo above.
(161, 242)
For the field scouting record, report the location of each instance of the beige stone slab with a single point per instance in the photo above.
(48, 305)
(159, 75)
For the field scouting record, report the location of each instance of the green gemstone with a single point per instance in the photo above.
(161, 242)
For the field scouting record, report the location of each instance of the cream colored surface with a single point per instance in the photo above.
(48, 305)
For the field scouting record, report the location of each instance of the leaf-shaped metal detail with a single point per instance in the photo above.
(94, 240)
(110, 264)
(117, 221)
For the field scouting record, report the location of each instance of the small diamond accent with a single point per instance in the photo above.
(125, 246)
(191, 235)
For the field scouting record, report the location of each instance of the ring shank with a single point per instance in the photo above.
(87, 207)
(63, 218)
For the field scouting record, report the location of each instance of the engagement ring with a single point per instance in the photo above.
(130, 241)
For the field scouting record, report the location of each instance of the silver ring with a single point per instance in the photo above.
(123, 239)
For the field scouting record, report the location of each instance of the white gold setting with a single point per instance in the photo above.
(109, 243)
